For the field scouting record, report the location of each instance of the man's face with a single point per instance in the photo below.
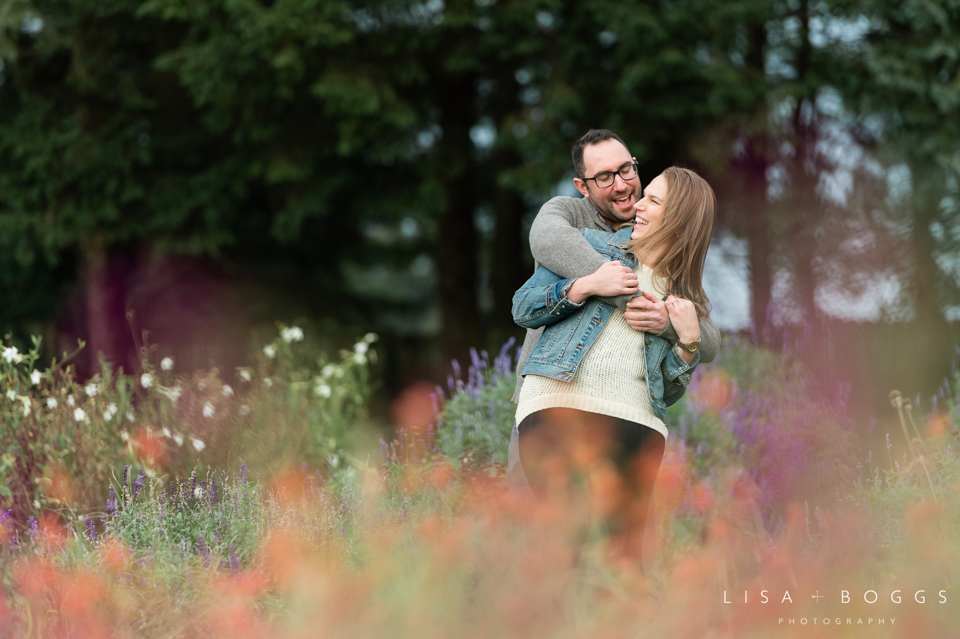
(615, 202)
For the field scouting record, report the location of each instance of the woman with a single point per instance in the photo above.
(592, 382)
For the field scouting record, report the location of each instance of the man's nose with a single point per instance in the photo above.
(619, 183)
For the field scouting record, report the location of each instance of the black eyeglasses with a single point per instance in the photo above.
(607, 178)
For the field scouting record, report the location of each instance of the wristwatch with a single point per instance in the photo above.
(690, 347)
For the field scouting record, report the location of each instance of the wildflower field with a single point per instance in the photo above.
(250, 503)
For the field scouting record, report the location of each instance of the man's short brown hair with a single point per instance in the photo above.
(593, 136)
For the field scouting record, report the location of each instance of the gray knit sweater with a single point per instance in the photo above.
(557, 244)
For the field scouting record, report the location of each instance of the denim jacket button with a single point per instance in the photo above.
(648, 341)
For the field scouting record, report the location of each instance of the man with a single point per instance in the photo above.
(608, 180)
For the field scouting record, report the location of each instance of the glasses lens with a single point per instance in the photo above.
(629, 172)
(605, 179)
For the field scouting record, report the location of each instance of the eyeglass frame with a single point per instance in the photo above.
(636, 173)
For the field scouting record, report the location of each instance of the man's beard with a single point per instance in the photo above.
(610, 213)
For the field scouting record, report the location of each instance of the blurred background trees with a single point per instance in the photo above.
(213, 165)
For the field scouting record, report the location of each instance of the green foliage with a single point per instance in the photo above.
(220, 518)
(64, 442)
(765, 412)
(477, 419)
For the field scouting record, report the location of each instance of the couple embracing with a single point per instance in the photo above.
(617, 320)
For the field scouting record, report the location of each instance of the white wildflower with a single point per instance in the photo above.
(199, 445)
(328, 370)
(173, 394)
(35, 377)
(361, 348)
(245, 375)
(124, 435)
(208, 410)
(359, 358)
(267, 382)
(79, 415)
(166, 431)
(166, 364)
(292, 334)
(130, 416)
(227, 390)
(26, 406)
(111, 412)
(178, 439)
(11, 395)
(51, 403)
(322, 390)
(70, 401)
(90, 389)
(244, 410)
(146, 380)
(269, 351)
(12, 355)
(370, 338)
(198, 492)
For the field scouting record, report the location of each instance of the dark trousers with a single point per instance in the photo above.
(558, 448)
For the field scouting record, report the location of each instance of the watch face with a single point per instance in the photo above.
(693, 347)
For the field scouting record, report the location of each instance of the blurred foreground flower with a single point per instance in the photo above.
(146, 380)
(270, 351)
(208, 410)
(166, 364)
(90, 389)
(197, 444)
(79, 415)
(291, 334)
(12, 355)
(35, 377)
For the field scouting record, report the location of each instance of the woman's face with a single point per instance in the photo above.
(650, 208)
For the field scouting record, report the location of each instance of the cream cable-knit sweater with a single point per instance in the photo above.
(611, 379)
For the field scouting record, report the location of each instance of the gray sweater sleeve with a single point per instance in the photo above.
(556, 243)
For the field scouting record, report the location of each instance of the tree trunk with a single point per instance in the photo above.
(761, 278)
(457, 263)
(507, 265)
(106, 286)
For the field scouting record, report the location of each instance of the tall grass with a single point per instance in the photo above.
(432, 545)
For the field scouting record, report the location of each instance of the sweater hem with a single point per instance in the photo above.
(591, 405)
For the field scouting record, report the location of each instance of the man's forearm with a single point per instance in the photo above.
(556, 242)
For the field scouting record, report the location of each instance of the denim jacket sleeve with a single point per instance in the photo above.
(676, 375)
(543, 300)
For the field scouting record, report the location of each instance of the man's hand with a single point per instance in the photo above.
(612, 278)
(647, 314)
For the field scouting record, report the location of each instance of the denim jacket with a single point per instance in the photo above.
(543, 301)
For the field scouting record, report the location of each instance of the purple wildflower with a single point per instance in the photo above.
(112, 501)
(91, 529)
(140, 483)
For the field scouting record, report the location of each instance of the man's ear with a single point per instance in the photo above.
(581, 186)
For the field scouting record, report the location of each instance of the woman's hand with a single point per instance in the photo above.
(612, 278)
(683, 316)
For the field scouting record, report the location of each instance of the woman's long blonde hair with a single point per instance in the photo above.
(686, 230)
